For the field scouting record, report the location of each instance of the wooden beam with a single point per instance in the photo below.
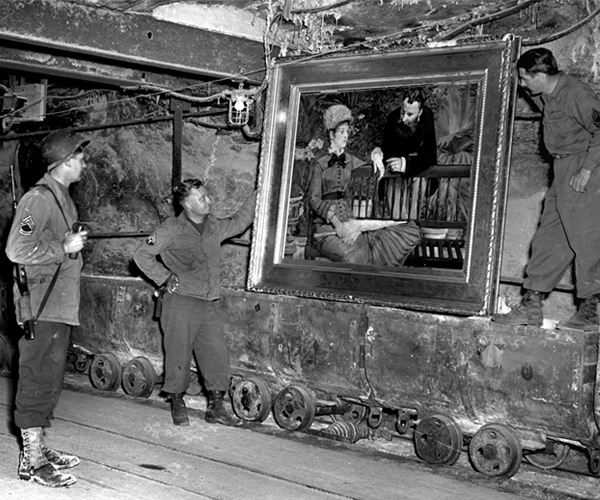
(123, 44)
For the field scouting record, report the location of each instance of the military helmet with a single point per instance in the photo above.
(59, 146)
(335, 115)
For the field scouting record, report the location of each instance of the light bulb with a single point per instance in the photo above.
(239, 104)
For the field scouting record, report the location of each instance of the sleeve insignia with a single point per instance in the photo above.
(596, 117)
(151, 240)
(27, 226)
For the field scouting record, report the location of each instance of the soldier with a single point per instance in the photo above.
(41, 242)
(191, 319)
(569, 229)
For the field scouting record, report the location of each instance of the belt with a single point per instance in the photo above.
(337, 195)
(559, 156)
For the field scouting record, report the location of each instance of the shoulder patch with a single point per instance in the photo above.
(151, 240)
(27, 226)
(596, 117)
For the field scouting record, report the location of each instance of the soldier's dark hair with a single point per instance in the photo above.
(183, 189)
(538, 60)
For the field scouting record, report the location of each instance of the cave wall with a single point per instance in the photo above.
(126, 187)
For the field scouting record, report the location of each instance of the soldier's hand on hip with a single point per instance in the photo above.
(172, 283)
(580, 180)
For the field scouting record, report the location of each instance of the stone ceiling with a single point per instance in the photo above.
(300, 26)
(145, 41)
(128, 44)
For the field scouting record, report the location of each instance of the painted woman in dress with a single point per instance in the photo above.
(335, 233)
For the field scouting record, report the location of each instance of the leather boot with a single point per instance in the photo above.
(529, 313)
(216, 413)
(178, 409)
(586, 317)
(59, 460)
(33, 464)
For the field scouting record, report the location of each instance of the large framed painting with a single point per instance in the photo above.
(383, 178)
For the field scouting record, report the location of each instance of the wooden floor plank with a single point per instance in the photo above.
(131, 450)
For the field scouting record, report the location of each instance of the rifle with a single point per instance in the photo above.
(24, 311)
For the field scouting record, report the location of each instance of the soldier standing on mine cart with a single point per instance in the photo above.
(569, 228)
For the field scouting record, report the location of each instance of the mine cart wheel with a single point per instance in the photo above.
(375, 418)
(82, 363)
(139, 377)
(355, 415)
(438, 440)
(70, 363)
(294, 408)
(105, 372)
(251, 399)
(549, 459)
(495, 451)
(403, 422)
(594, 461)
(194, 387)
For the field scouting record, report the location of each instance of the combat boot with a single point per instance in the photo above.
(33, 464)
(58, 460)
(529, 313)
(586, 317)
(178, 409)
(216, 413)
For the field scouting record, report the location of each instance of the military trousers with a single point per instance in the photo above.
(41, 373)
(193, 326)
(568, 233)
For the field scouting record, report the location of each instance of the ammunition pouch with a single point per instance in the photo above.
(23, 309)
(158, 305)
(24, 314)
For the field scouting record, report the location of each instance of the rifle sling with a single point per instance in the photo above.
(47, 294)
(52, 283)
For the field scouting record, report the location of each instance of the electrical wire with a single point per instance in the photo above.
(560, 34)
(323, 8)
(275, 17)
(486, 19)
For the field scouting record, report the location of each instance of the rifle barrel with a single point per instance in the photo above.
(122, 234)
(118, 234)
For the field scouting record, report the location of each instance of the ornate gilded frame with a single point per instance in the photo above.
(470, 290)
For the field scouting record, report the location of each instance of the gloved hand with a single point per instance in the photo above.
(172, 283)
(377, 159)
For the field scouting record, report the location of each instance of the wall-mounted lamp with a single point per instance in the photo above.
(239, 109)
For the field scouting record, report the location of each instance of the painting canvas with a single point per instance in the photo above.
(383, 178)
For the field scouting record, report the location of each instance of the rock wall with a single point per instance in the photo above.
(127, 186)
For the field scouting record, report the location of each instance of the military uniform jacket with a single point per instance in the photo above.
(572, 120)
(195, 258)
(36, 241)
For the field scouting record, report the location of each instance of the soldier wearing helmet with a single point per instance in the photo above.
(331, 231)
(41, 242)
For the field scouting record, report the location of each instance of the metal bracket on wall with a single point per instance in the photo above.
(177, 107)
